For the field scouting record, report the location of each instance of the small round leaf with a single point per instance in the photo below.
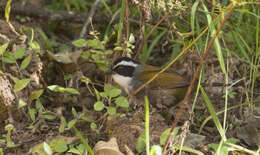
(122, 102)
(98, 106)
(111, 110)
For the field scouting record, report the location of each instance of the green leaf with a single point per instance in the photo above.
(111, 110)
(118, 49)
(86, 80)
(87, 119)
(72, 91)
(25, 62)
(10, 144)
(75, 151)
(56, 88)
(79, 43)
(38, 106)
(47, 148)
(71, 123)
(122, 102)
(93, 126)
(96, 44)
(8, 10)
(233, 140)
(1, 151)
(108, 87)
(108, 52)
(103, 94)
(19, 85)
(3, 48)
(165, 134)
(63, 124)
(34, 45)
(98, 106)
(19, 53)
(9, 60)
(21, 104)
(114, 92)
(61, 146)
(15, 79)
(9, 127)
(140, 143)
(49, 117)
(74, 112)
(36, 94)
(131, 39)
(32, 113)
(156, 150)
(213, 114)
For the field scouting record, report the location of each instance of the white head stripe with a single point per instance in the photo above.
(126, 63)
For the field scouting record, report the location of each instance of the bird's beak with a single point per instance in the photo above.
(109, 72)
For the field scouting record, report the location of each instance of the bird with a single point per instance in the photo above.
(166, 90)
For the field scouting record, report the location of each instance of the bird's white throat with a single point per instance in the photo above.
(123, 81)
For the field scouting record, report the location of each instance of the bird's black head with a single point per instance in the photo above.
(124, 66)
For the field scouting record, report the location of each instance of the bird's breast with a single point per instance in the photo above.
(123, 81)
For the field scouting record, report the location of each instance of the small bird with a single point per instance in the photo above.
(167, 89)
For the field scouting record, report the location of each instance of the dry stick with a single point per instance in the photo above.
(184, 101)
(126, 19)
(149, 34)
(91, 14)
(124, 31)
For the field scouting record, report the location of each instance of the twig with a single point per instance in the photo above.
(91, 14)
(184, 101)
(4, 37)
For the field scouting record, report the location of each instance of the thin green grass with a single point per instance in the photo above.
(147, 139)
(83, 140)
(146, 53)
(213, 114)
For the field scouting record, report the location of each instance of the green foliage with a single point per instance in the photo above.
(8, 10)
(21, 104)
(127, 46)
(165, 134)
(19, 53)
(140, 143)
(97, 52)
(25, 62)
(79, 149)
(111, 94)
(36, 94)
(223, 149)
(156, 150)
(61, 146)
(21, 84)
(47, 148)
(98, 106)
(6, 141)
(1, 151)
(83, 140)
(56, 88)
(213, 114)
(3, 48)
